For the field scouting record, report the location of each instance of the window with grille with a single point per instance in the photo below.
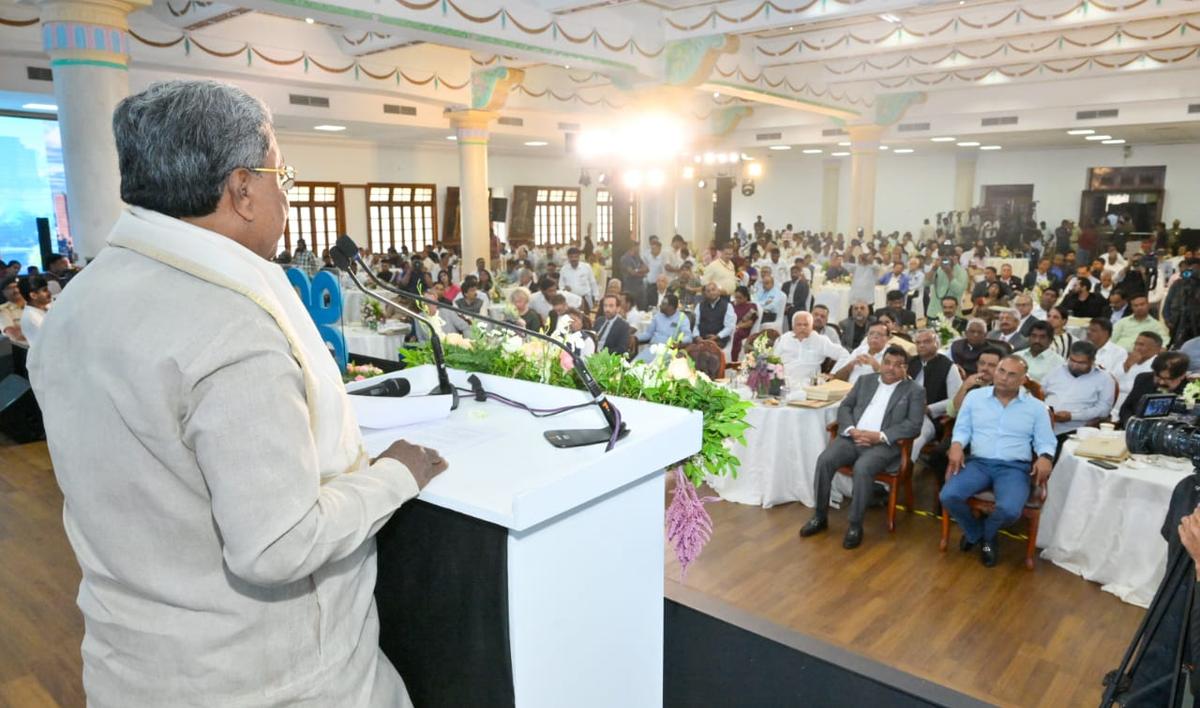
(556, 216)
(604, 211)
(401, 215)
(314, 214)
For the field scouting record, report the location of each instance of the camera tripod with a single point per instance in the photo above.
(1151, 673)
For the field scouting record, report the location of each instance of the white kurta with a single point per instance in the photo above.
(223, 563)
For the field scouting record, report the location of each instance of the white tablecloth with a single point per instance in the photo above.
(367, 342)
(1020, 266)
(352, 301)
(1105, 525)
(779, 459)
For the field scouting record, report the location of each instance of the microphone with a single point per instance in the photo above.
(342, 258)
(388, 388)
(346, 250)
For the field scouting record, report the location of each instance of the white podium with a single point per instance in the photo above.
(584, 532)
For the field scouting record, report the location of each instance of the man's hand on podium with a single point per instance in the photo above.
(424, 463)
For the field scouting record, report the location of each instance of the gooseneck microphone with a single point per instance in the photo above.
(346, 250)
(342, 259)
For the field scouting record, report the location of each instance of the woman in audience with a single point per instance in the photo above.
(36, 292)
(1061, 343)
(526, 317)
(471, 298)
(992, 302)
(450, 289)
(747, 314)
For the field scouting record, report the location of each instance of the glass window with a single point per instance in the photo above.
(32, 186)
(401, 215)
(313, 215)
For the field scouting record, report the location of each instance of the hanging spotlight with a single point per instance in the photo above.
(701, 184)
(632, 179)
(734, 157)
(689, 172)
(585, 180)
(748, 188)
(601, 178)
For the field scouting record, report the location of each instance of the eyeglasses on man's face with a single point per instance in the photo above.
(286, 174)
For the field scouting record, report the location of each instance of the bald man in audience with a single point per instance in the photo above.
(803, 351)
(866, 357)
(965, 351)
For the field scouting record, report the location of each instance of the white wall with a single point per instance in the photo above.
(909, 189)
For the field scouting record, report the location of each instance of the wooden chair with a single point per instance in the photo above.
(705, 351)
(901, 477)
(985, 502)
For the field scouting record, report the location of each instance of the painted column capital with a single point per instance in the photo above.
(864, 139)
(490, 87)
(471, 126)
(87, 32)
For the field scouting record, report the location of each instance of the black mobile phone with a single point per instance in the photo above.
(1104, 465)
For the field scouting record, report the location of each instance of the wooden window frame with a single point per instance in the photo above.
(338, 205)
(379, 243)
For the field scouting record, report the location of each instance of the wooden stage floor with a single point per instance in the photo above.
(1004, 635)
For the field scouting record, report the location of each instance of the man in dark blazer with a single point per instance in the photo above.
(797, 292)
(612, 331)
(903, 316)
(880, 410)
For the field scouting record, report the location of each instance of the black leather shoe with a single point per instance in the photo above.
(988, 553)
(964, 545)
(815, 525)
(853, 538)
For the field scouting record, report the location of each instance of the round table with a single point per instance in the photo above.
(1105, 525)
(352, 301)
(779, 459)
(367, 342)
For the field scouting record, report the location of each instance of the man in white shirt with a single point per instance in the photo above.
(547, 288)
(1048, 300)
(1109, 356)
(772, 303)
(878, 412)
(579, 278)
(864, 276)
(865, 358)
(1039, 357)
(773, 262)
(656, 263)
(1147, 346)
(36, 292)
(218, 496)
(1078, 392)
(803, 351)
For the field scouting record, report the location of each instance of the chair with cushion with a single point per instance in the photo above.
(708, 356)
(894, 479)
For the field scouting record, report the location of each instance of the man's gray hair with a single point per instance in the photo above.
(178, 141)
(800, 313)
(925, 330)
(1010, 311)
(977, 321)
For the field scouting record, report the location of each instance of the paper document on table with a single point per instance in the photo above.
(383, 412)
(441, 435)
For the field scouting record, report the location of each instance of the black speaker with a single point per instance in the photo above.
(722, 209)
(45, 243)
(499, 209)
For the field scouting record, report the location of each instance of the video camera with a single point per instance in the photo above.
(1162, 426)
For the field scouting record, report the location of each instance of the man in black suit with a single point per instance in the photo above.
(797, 291)
(612, 331)
(1168, 374)
(854, 328)
(880, 410)
(1082, 302)
(903, 316)
(950, 314)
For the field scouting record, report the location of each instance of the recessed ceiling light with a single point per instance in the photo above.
(813, 151)
(883, 147)
(968, 144)
(536, 143)
(1098, 137)
(792, 28)
(902, 151)
(839, 154)
(844, 143)
(889, 17)
(330, 128)
(1080, 131)
(452, 137)
(1117, 141)
(989, 147)
(309, 20)
(943, 139)
(716, 94)
(40, 107)
(780, 147)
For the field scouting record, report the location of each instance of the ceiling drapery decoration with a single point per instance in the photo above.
(1021, 15)
(760, 79)
(767, 6)
(187, 7)
(19, 23)
(505, 18)
(1173, 55)
(976, 53)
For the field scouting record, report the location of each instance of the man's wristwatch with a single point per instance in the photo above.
(1046, 456)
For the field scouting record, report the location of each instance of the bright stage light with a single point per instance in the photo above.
(593, 143)
(655, 177)
(754, 169)
(709, 158)
(722, 158)
(689, 172)
(734, 157)
(632, 179)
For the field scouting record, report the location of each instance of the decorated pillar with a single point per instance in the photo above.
(864, 157)
(831, 182)
(88, 44)
(471, 128)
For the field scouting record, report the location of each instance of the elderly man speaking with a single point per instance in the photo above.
(217, 493)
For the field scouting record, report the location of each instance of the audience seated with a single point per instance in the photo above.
(866, 357)
(715, 317)
(803, 350)
(941, 380)
(1005, 428)
(854, 327)
(1008, 330)
(612, 331)
(1078, 393)
(1126, 329)
(965, 351)
(880, 410)
(1168, 374)
(1108, 355)
(1039, 358)
(36, 292)
(667, 324)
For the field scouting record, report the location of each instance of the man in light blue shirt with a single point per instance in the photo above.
(667, 324)
(772, 302)
(1005, 427)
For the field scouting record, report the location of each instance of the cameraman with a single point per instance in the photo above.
(1179, 309)
(1168, 374)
